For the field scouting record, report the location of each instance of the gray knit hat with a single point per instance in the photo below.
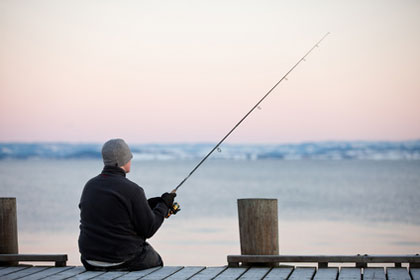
(116, 152)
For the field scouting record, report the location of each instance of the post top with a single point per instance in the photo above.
(7, 198)
(256, 199)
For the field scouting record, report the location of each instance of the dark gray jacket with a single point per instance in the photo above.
(116, 218)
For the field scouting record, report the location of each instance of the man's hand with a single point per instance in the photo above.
(168, 198)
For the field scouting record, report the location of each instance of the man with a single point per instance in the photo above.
(116, 218)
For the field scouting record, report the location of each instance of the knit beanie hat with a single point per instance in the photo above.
(116, 152)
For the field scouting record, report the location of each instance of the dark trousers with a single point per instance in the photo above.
(145, 259)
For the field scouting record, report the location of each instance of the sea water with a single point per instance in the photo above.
(325, 206)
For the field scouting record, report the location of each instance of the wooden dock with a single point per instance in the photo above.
(219, 273)
(318, 267)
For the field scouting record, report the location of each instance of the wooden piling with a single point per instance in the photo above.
(258, 227)
(8, 228)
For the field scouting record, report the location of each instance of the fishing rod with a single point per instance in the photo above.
(175, 207)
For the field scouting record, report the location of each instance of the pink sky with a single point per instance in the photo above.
(187, 71)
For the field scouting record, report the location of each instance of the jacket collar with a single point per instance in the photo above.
(113, 170)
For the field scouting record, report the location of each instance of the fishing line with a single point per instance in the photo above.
(250, 111)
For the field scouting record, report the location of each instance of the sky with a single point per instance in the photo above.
(188, 71)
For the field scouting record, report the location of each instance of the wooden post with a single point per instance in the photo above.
(8, 228)
(258, 227)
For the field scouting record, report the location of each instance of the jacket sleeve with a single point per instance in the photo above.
(147, 220)
(154, 201)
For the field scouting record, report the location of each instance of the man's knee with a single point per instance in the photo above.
(146, 259)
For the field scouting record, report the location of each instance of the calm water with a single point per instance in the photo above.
(342, 207)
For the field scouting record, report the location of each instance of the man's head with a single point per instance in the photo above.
(116, 152)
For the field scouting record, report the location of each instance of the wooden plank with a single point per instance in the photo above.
(414, 265)
(134, 275)
(374, 273)
(415, 259)
(232, 273)
(58, 259)
(87, 275)
(350, 273)
(110, 275)
(186, 273)
(11, 269)
(162, 273)
(301, 273)
(326, 273)
(67, 273)
(209, 273)
(400, 273)
(415, 273)
(279, 273)
(255, 273)
(46, 273)
(23, 273)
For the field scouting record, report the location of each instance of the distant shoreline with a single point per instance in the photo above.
(337, 150)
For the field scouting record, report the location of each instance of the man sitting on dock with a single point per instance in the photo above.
(116, 218)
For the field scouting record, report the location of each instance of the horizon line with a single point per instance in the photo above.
(211, 143)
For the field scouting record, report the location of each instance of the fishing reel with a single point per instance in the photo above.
(174, 209)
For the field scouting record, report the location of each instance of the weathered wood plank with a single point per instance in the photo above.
(255, 273)
(67, 273)
(46, 273)
(134, 275)
(87, 275)
(232, 273)
(415, 273)
(23, 273)
(11, 269)
(400, 273)
(58, 259)
(301, 273)
(374, 273)
(326, 273)
(186, 273)
(162, 273)
(202, 273)
(233, 259)
(279, 273)
(110, 275)
(350, 273)
(209, 273)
